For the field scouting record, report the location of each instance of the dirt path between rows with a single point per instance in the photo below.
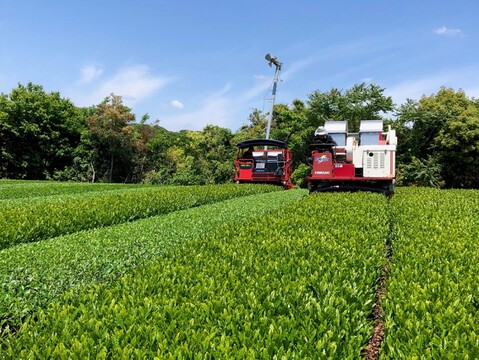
(373, 347)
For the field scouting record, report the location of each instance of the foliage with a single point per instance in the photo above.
(360, 102)
(26, 221)
(27, 189)
(458, 149)
(112, 137)
(444, 126)
(211, 154)
(421, 173)
(33, 275)
(299, 175)
(160, 165)
(193, 157)
(43, 136)
(432, 299)
(39, 132)
(256, 129)
(302, 290)
(267, 275)
(292, 125)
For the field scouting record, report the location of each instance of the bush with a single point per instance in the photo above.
(420, 172)
(298, 177)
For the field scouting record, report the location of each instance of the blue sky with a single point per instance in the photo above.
(192, 63)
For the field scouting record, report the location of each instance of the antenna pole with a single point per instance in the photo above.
(273, 60)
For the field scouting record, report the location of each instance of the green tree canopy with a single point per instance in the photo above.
(442, 129)
(44, 136)
(39, 132)
(207, 157)
(360, 102)
(113, 139)
(255, 129)
(291, 124)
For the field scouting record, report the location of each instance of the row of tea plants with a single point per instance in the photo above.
(432, 303)
(24, 220)
(16, 189)
(297, 282)
(34, 274)
(273, 275)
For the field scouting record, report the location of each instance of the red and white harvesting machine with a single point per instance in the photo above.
(342, 161)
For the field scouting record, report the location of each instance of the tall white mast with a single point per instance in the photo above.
(278, 64)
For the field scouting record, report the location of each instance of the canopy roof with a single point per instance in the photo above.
(262, 142)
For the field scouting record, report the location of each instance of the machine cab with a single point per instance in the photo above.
(263, 161)
(353, 161)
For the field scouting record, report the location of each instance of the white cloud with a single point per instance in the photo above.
(177, 104)
(90, 73)
(367, 80)
(444, 31)
(224, 108)
(217, 109)
(465, 79)
(133, 83)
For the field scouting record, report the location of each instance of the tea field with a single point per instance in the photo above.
(236, 271)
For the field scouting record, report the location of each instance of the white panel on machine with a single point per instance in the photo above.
(376, 163)
(370, 132)
(336, 126)
(338, 131)
(371, 126)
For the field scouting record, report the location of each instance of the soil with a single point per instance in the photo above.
(373, 347)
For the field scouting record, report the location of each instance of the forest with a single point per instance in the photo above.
(44, 136)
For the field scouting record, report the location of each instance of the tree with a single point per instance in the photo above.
(443, 127)
(208, 156)
(39, 132)
(360, 102)
(6, 136)
(291, 124)
(256, 129)
(161, 163)
(420, 172)
(221, 152)
(191, 157)
(458, 149)
(419, 122)
(112, 137)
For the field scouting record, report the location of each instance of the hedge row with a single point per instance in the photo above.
(18, 189)
(432, 303)
(38, 220)
(295, 283)
(34, 274)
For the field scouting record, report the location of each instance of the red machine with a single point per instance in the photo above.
(343, 161)
(263, 161)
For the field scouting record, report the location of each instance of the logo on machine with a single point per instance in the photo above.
(322, 158)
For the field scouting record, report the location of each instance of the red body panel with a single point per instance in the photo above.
(356, 161)
(343, 170)
(322, 166)
(245, 169)
(265, 169)
(326, 174)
